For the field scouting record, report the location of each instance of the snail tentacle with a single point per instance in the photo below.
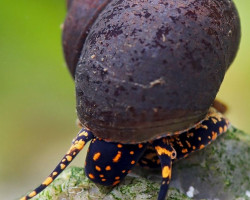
(77, 145)
(165, 153)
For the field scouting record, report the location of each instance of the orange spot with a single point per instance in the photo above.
(91, 176)
(176, 136)
(119, 146)
(117, 178)
(101, 175)
(180, 144)
(96, 156)
(123, 171)
(201, 126)
(32, 194)
(62, 166)
(54, 173)
(202, 146)
(194, 147)
(190, 135)
(63, 160)
(214, 135)
(80, 145)
(209, 137)
(188, 143)
(221, 130)
(108, 168)
(85, 163)
(69, 158)
(129, 171)
(103, 179)
(117, 157)
(140, 146)
(98, 168)
(47, 181)
(205, 127)
(199, 138)
(184, 150)
(131, 152)
(115, 183)
(225, 128)
(166, 171)
(161, 151)
(84, 133)
(132, 162)
(214, 120)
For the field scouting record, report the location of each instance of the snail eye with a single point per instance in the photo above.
(174, 155)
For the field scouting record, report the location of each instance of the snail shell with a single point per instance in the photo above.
(149, 67)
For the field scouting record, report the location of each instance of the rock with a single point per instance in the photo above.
(220, 171)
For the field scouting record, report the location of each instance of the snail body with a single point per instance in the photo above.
(146, 75)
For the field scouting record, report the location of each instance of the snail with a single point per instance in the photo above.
(146, 74)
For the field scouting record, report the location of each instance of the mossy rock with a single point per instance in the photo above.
(220, 171)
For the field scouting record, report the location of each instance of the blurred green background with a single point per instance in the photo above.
(37, 103)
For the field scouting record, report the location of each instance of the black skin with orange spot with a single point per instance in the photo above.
(186, 143)
(107, 163)
(120, 163)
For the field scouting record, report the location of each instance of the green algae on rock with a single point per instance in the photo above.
(73, 184)
(220, 171)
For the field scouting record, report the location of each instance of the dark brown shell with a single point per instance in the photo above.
(154, 66)
(81, 15)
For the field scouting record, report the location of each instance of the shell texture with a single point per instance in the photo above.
(153, 67)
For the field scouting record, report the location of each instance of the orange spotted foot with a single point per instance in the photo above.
(107, 163)
(189, 141)
(199, 136)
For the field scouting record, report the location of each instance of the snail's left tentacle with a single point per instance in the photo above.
(78, 143)
(166, 153)
(107, 163)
